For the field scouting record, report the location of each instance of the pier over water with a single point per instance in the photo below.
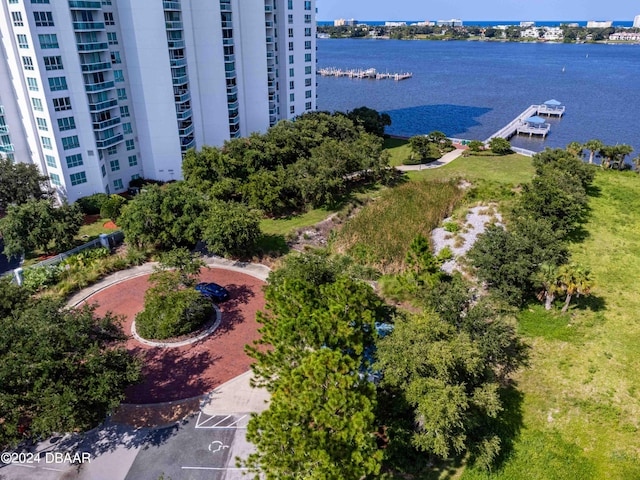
(369, 73)
(529, 121)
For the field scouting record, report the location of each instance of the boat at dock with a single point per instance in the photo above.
(369, 73)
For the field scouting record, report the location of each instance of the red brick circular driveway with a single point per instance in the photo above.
(184, 372)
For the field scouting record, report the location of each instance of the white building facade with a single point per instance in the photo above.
(636, 21)
(97, 93)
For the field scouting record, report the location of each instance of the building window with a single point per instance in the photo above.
(290, 4)
(22, 41)
(78, 178)
(291, 46)
(290, 32)
(46, 143)
(62, 103)
(118, 76)
(135, 176)
(307, 5)
(307, 94)
(70, 142)
(133, 160)
(112, 150)
(122, 93)
(126, 128)
(307, 57)
(67, 123)
(57, 83)
(112, 38)
(51, 161)
(292, 97)
(17, 19)
(74, 160)
(307, 45)
(307, 32)
(117, 184)
(115, 165)
(48, 40)
(104, 171)
(130, 144)
(55, 179)
(27, 63)
(307, 82)
(42, 124)
(43, 19)
(36, 1)
(37, 104)
(291, 84)
(115, 58)
(292, 109)
(108, 18)
(292, 72)
(53, 63)
(307, 70)
(290, 59)
(33, 84)
(307, 106)
(124, 111)
(307, 19)
(290, 18)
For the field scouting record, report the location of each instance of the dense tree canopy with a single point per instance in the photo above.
(372, 121)
(39, 224)
(20, 182)
(321, 420)
(60, 370)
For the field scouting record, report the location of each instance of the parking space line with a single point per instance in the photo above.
(212, 468)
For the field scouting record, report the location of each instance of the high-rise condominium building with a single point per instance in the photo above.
(636, 21)
(97, 93)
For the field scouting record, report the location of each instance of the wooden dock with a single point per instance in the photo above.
(520, 126)
(369, 73)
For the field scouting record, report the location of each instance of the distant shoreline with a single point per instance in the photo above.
(488, 40)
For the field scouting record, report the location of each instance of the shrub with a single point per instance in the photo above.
(92, 204)
(476, 145)
(170, 314)
(500, 146)
(38, 278)
(451, 227)
(112, 208)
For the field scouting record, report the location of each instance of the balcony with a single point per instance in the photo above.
(84, 5)
(106, 124)
(96, 67)
(178, 62)
(109, 141)
(171, 5)
(184, 114)
(97, 87)
(268, 8)
(225, 7)
(233, 106)
(227, 41)
(180, 80)
(6, 147)
(229, 58)
(182, 97)
(232, 98)
(183, 132)
(173, 44)
(4, 129)
(88, 26)
(98, 107)
(187, 143)
(92, 47)
(231, 74)
(233, 90)
(227, 25)
(173, 25)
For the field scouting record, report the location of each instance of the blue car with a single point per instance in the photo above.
(213, 291)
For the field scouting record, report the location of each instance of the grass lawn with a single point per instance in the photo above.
(398, 150)
(93, 230)
(581, 407)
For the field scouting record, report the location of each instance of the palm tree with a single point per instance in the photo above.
(547, 277)
(607, 152)
(636, 162)
(620, 153)
(593, 146)
(574, 280)
(576, 148)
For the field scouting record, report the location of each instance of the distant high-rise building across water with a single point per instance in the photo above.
(97, 93)
(636, 21)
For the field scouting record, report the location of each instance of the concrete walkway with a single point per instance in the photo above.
(445, 159)
(256, 270)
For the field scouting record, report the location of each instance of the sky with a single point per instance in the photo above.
(623, 10)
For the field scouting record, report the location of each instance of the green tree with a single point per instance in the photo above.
(439, 139)
(558, 159)
(574, 280)
(311, 356)
(39, 224)
(575, 148)
(112, 208)
(500, 146)
(172, 307)
(319, 424)
(20, 182)
(372, 121)
(476, 145)
(593, 146)
(548, 279)
(231, 228)
(446, 379)
(60, 370)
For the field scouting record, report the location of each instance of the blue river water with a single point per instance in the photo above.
(472, 89)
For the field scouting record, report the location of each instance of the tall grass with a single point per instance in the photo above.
(380, 234)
